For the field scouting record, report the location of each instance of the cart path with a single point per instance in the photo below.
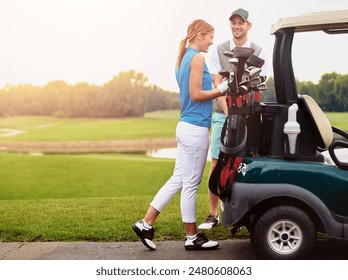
(325, 249)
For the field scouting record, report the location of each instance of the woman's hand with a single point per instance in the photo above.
(223, 87)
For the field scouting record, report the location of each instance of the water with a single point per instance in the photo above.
(168, 153)
(163, 153)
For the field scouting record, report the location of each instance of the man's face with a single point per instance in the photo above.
(239, 27)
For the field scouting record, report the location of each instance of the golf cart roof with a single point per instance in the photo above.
(327, 21)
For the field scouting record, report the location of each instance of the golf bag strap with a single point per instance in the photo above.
(235, 150)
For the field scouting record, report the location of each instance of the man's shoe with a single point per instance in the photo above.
(209, 222)
(200, 242)
(146, 235)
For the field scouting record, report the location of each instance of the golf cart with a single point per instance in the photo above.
(283, 169)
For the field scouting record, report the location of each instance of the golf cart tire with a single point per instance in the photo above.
(283, 232)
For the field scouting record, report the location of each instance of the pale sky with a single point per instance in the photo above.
(93, 40)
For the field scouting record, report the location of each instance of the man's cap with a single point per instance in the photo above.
(240, 12)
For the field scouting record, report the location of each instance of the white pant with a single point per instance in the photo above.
(192, 144)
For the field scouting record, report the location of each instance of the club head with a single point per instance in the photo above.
(255, 72)
(233, 60)
(241, 52)
(225, 74)
(254, 60)
(245, 81)
(247, 71)
(243, 89)
(263, 78)
(262, 87)
(255, 81)
(228, 54)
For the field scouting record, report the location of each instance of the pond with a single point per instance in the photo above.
(167, 153)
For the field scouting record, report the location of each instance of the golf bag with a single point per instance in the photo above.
(244, 82)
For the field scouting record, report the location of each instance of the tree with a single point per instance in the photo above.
(128, 95)
(124, 95)
(326, 98)
(56, 99)
(85, 100)
(341, 93)
(308, 88)
(269, 95)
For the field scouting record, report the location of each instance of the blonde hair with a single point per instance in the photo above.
(197, 26)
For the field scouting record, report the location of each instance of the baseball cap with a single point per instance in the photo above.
(240, 12)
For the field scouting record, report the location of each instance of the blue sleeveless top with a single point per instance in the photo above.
(199, 112)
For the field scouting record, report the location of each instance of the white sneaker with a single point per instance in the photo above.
(200, 242)
(209, 222)
(146, 235)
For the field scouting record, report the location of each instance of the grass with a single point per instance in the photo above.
(338, 120)
(87, 197)
(91, 219)
(80, 176)
(153, 125)
(92, 197)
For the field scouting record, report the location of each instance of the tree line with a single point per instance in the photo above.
(128, 95)
(125, 95)
(331, 92)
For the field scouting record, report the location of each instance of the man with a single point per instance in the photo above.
(240, 25)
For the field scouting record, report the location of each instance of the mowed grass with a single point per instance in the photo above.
(26, 176)
(339, 120)
(92, 197)
(154, 125)
(160, 124)
(87, 197)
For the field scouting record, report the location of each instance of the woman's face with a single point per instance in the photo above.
(206, 41)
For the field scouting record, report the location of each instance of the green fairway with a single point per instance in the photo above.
(153, 125)
(92, 219)
(86, 197)
(339, 120)
(92, 197)
(80, 176)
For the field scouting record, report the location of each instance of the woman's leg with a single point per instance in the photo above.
(195, 142)
(172, 186)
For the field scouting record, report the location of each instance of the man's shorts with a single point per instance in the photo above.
(218, 121)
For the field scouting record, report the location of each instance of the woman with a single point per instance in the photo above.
(192, 135)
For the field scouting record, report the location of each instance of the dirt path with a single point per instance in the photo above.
(87, 146)
(7, 132)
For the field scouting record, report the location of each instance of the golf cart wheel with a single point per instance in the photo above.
(283, 232)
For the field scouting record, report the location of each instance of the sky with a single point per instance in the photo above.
(93, 40)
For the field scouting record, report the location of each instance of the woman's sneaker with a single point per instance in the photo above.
(145, 234)
(209, 222)
(200, 242)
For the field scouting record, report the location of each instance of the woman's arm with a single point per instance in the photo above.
(196, 92)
